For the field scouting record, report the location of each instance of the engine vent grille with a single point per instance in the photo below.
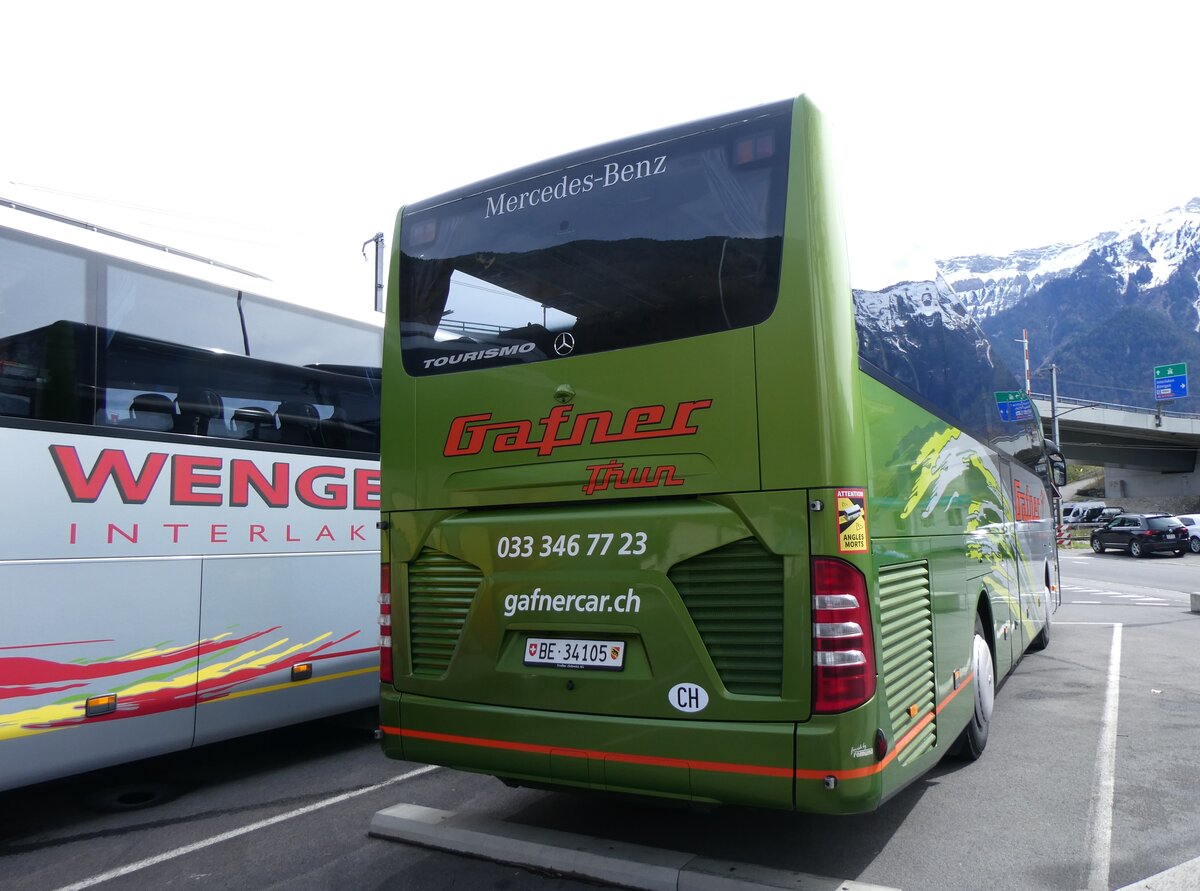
(440, 591)
(906, 614)
(734, 595)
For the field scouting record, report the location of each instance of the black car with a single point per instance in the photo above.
(1142, 534)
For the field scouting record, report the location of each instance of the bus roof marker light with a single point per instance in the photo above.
(755, 147)
(424, 232)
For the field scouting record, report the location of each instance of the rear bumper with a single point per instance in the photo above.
(1156, 546)
(750, 764)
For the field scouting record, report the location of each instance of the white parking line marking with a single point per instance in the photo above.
(234, 833)
(1106, 759)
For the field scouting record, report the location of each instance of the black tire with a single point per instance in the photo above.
(1096, 546)
(1195, 545)
(1043, 637)
(1136, 549)
(1178, 553)
(973, 740)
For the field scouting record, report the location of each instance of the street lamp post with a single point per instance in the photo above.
(377, 240)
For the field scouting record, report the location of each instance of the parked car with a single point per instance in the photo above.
(1109, 514)
(1075, 511)
(1142, 535)
(1193, 524)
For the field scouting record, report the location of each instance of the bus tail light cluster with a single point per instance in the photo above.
(843, 643)
(385, 623)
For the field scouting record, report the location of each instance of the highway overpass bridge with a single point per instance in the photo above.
(1149, 455)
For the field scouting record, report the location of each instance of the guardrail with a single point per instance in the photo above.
(1070, 403)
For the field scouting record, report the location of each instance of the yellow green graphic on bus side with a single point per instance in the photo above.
(947, 458)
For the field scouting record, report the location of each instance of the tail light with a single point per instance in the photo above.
(843, 643)
(385, 623)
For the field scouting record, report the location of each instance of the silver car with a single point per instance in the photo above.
(1193, 524)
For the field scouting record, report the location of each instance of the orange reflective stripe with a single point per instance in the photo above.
(660, 761)
(624, 757)
(904, 741)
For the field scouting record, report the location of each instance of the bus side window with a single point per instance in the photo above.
(197, 408)
(333, 430)
(151, 411)
(253, 423)
(15, 406)
(299, 424)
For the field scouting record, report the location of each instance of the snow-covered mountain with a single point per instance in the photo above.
(920, 335)
(1143, 255)
(1105, 312)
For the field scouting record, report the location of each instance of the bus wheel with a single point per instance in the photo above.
(1043, 637)
(971, 743)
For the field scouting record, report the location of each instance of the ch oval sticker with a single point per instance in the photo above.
(688, 698)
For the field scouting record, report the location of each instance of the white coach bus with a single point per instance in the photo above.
(189, 477)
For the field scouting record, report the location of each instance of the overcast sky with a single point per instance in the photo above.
(282, 135)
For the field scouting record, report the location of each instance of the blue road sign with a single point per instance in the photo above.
(1170, 381)
(1014, 405)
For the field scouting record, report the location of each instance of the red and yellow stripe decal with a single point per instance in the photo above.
(155, 680)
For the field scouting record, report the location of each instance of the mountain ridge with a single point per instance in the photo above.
(1104, 311)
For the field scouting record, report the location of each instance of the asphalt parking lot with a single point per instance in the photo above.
(1086, 783)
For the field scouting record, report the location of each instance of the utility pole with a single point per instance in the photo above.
(1024, 341)
(1054, 403)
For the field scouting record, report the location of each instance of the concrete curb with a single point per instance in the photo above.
(587, 857)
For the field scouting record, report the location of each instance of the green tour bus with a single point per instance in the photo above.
(672, 506)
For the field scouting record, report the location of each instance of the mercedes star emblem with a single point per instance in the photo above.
(564, 344)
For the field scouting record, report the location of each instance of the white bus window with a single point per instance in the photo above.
(38, 287)
(158, 306)
(283, 333)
